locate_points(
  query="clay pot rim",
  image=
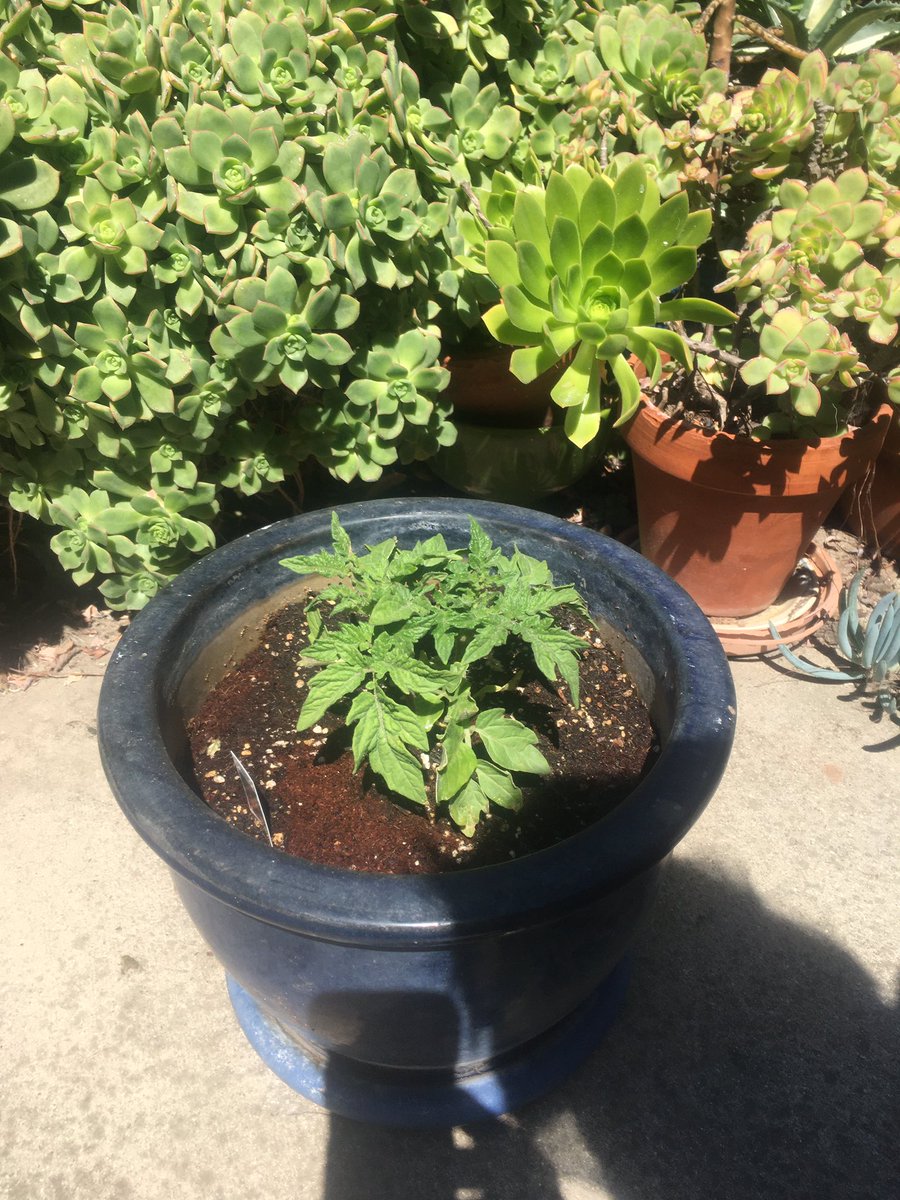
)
(738, 463)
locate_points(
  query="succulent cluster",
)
(819, 280)
(238, 236)
(228, 239)
(582, 270)
(870, 648)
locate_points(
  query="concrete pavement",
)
(756, 1058)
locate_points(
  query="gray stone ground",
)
(756, 1058)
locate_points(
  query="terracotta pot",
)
(511, 444)
(871, 506)
(729, 517)
(484, 392)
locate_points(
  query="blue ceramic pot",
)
(426, 999)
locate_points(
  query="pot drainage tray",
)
(808, 599)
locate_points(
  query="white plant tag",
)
(252, 796)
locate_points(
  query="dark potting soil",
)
(321, 811)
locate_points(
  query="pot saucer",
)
(431, 1099)
(808, 599)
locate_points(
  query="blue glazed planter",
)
(427, 999)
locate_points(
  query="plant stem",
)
(770, 38)
(723, 36)
(713, 351)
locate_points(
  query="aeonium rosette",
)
(582, 273)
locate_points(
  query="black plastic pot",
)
(416, 999)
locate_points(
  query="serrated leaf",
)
(481, 548)
(325, 689)
(322, 563)
(392, 608)
(314, 623)
(416, 680)
(554, 651)
(486, 639)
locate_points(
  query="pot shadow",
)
(754, 1060)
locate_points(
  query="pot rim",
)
(739, 464)
(337, 904)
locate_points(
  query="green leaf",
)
(673, 268)
(665, 226)
(629, 389)
(205, 150)
(532, 271)
(522, 312)
(468, 807)
(598, 208)
(28, 184)
(503, 330)
(693, 308)
(575, 383)
(10, 237)
(555, 651)
(669, 341)
(630, 238)
(400, 770)
(501, 262)
(486, 639)
(338, 212)
(325, 689)
(322, 563)
(630, 189)
(529, 222)
(459, 762)
(510, 743)
(561, 200)
(393, 607)
(529, 362)
(565, 246)
(415, 679)
(498, 786)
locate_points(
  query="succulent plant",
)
(233, 236)
(582, 273)
(230, 165)
(116, 372)
(109, 239)
(86, 544)
(399, 382)
(547, 79)
(485, 128)
(871, 649)
(805, 249)
(776, 119)
(269, 63)
(373, 209)
(276, 328)
(801, 358)
(657, 58)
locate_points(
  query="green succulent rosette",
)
(584, 272)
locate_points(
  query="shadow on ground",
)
(754, 1061)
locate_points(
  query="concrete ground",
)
(756, 1058)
